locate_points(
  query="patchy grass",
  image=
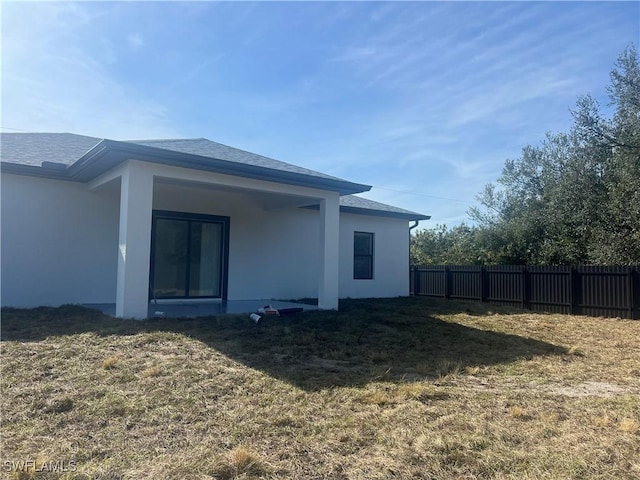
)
(399, 388)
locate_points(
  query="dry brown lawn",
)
(384, 389)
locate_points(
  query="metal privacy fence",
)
(612, 291)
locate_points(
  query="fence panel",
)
(611, 291)
(550, 289)
(604, 291)
(504, 285)
(465, 282)
(429, 280)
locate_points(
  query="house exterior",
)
(90, 220)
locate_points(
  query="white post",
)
(329, 253)
(136, 203)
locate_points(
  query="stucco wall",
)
(272, 254)
(59, 243)
(390, 259)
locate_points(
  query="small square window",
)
(362, 256)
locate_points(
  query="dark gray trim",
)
(375, 213)
(33, 171)
(54, 165)
(384, 213)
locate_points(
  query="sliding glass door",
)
(189, 255)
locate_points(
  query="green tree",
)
(442, 245)
(619, 235)
(576, 197)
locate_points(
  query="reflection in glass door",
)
(188, 258)
(205, 259)
(169, 259)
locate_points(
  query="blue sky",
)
(423, 100)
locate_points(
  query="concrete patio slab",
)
(199, 308)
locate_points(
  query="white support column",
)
(329, 253)
(136, 203)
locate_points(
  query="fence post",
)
(483, 293)
(416, 280)
(411, 281)
(446, 282)
(572, 290)
(523, 287)
(630, 290)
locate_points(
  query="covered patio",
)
(273, 248)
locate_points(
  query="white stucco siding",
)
(391, 256)
(60, 240)
(58, 243)
(272, 253)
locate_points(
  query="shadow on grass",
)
(367, 340)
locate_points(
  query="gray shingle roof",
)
(80, 158)
(355, 204)
(207, 148)
(35, 148)
(32, 150)
(65, 148)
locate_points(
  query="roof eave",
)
(93, 164)
(34, 171)
(376, 213)
(384, 213)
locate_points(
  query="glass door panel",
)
(188, 258)
(205, 270)
(170, 258)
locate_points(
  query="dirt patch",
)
(591, 389)
(583, 389)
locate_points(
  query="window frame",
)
(369, 256)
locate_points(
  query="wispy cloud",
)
(472, 84)
(135, 41)
(354, 54)
(62, 86)
(423, 99)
